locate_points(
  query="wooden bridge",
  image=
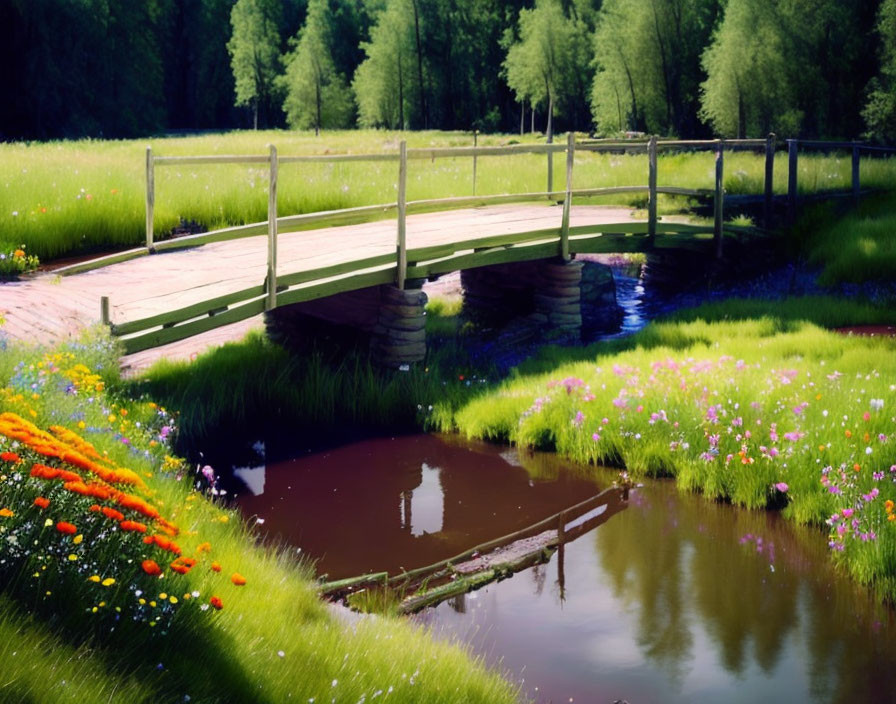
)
(198, 283)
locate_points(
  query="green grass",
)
(61, 198)
(856, 247)
(653, 404)
(273, 641)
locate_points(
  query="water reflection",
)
(389, 504)
(680, 599)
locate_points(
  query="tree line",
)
(819, 68)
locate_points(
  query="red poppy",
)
(41, 502)
(10, 457)
(151, 567)
(66, 528)
(216, 602)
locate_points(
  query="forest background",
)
(692, 68)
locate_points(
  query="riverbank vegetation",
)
(123, 576)
(68, 198)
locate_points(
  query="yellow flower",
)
(19, 254)
(94, 578)
(108, 581)
(72, 557)
(78, 539)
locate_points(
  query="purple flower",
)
(782, 487)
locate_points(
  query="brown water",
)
(675, 599)
(406, 502)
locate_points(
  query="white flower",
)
(15, 213)
(877, 404)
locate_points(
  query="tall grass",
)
(61, 198)
(272, 641)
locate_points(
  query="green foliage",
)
(316, 95)
(14, 260)
(880, 110)
(779, 67)
(545, 65)
(647, 60)
(386, 85)
(254, 52)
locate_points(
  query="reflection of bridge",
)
(239, 273)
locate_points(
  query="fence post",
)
(150, 199)
(651, 190)
(550, 166)
(769, 179)
(720, 197)
(272, 231)
(402, 250)
(567, 202)
(856, 185)
(791, 178)
(105, 315)
(475, 144)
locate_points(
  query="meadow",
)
(66, 198)
(124, 577)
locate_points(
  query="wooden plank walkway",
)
(49, 308)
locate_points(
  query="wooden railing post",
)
(567, 202)
(272, 231)
(792, 145)
(402, 247)
(150, 199)
(651, 190)
(720, 197)
(475, 144)
(105, 315)
(550, 164)
(856, 185)
(769, 179)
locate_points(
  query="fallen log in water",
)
(490, 561)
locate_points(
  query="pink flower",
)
(782, 487)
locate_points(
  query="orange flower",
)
(111, 513)
(238, 579)
(215, 567)
(66, 528)
(151, 567)
(163, 543)
(203, 547)
(216, 602)
(20, 253)
(182, 565)
(6, 513)
(857, 467)
(41, 502)
(10, 457)
(132, 526)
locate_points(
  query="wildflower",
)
(216, 567)
(108, 581)
(151, 567)
(134, 526)
(782, 487)
(66, 528)
(238, 579)
(204, 547)
(10, 457)
(182, 565)
(216, 602)
(6, 513)
(41, 502)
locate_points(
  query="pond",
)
(673, 599)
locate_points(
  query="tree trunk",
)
(255, 114)
(532, 119)
(400, 94)
(550, 129)
(423, 115)
(317, 101)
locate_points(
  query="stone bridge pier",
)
(552, 298)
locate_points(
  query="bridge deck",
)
(49, 308)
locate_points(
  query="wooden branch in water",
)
(338, 587)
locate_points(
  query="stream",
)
(674, 599)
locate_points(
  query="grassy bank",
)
(743, 401)
(121, 577)
(61, 198)
(858, 247)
